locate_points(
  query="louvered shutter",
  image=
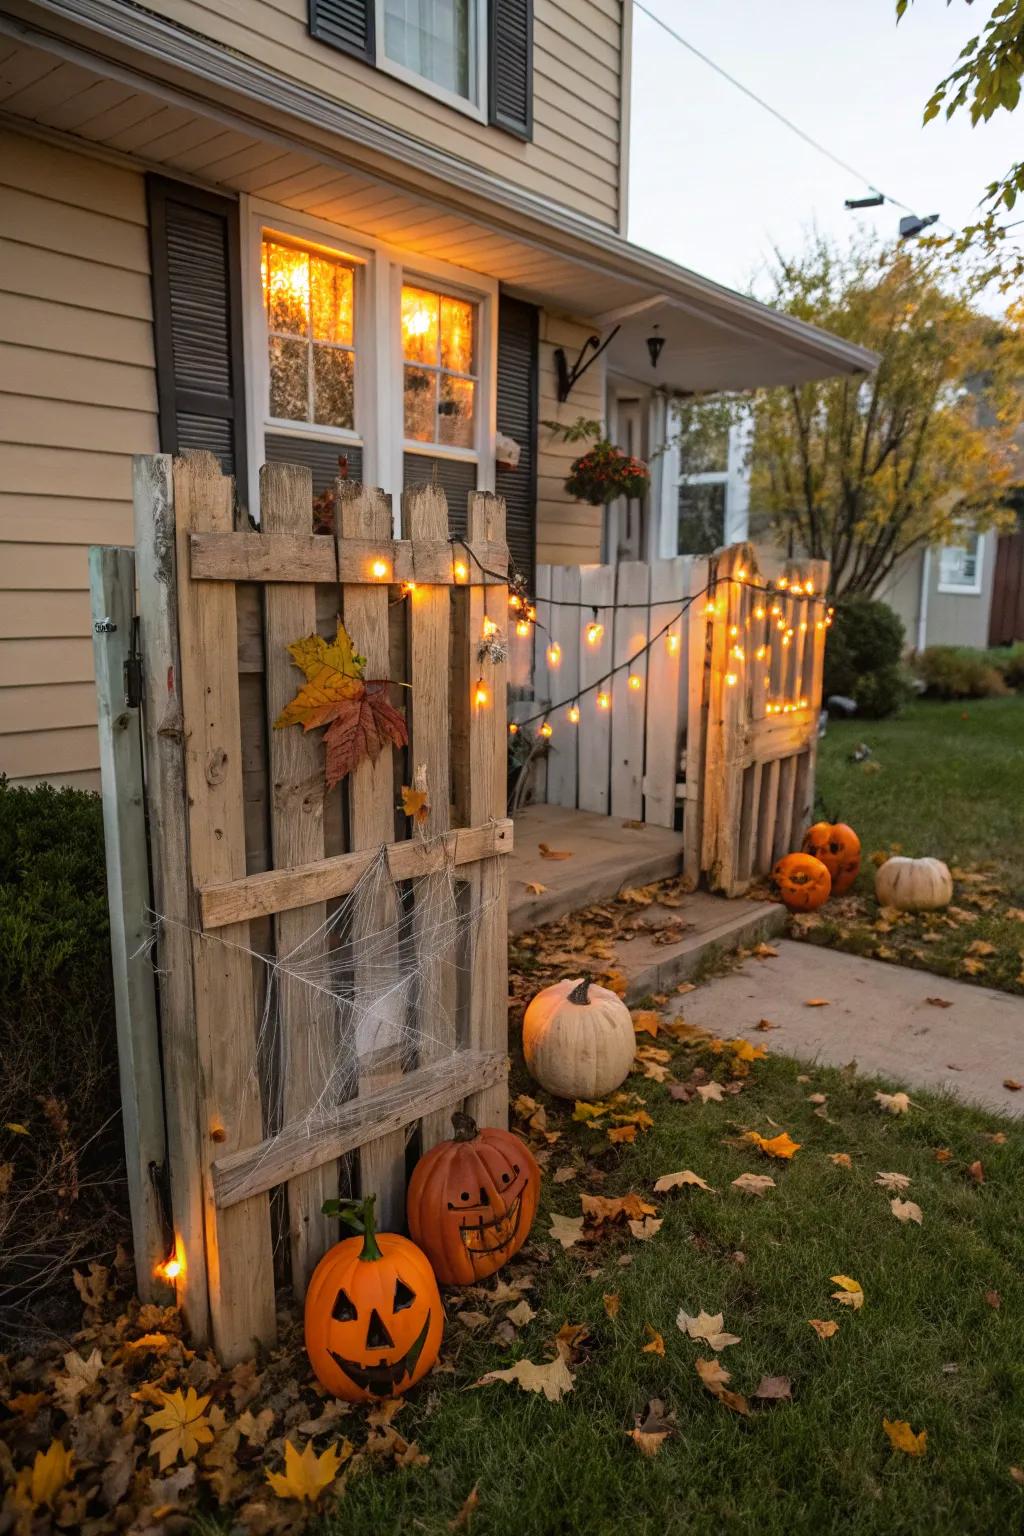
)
(517, 418)
(197, 323)
(345, 24)
(510, 66)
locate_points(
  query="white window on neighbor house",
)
(436, 45)
(960, 566)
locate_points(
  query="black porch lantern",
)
(654, 346)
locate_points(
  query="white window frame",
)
(475, 107)
(950, 586)
(735, 477)
(416, 278)
(381, 270)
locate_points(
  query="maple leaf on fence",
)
(362, 727)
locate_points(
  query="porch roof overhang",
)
(344, 166)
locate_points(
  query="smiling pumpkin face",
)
(472, 1201)
(374, 1318)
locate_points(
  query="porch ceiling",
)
(108, 97)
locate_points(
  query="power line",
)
(781, 117)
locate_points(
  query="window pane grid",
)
(439, 373)
(309, 306)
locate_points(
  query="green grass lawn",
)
(926, 1347)
(945, 780)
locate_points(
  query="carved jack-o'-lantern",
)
(472, 1201)
(803, 881)
(374, 1318)
(838, 848)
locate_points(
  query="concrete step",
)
(718, 927)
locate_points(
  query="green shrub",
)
(1009, 663)
(63, 1193)
(949, 672)
(862, 657)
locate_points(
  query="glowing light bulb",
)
(709, 609)
(594, 633)
(574, 714)
(803, 625)
(759, 612)
(738, 652)
(734, 630)
(820, 624)
(759, 653)
(672, 641)
(380, 569)
(408, 588)
(514, 601)
(554, 654)
(545, 729)
(461, 570)
(170, 1269)
(789, 632)
(531, 612)
(741, 574)
(809, 587)
(481, 694)
(785, 639)
(803, 703)
(490, 628)
(776, 610)
(513, 729)
(782, 583)
(731, 679)
(635, 682)
(603, 701)
(522, 629)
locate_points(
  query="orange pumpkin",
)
(374, 1318)
(472, 1201)
(803, 881)
(838, 848)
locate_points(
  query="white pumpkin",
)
(914, 885)
(578, 1040)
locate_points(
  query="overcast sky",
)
(715, 182)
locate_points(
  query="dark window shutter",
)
(517, 418)
(510, 66)
(345, 24)
(320, 457)
(456, 477)
(197, 323)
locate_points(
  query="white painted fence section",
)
(623, 759)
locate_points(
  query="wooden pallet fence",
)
(249, 854)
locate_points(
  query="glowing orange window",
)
(439, 368)
(309, 300)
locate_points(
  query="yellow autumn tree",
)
(860, 471)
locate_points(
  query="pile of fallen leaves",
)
(979, 937)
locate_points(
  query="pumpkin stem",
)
(359, 1215)
(581, 992)
(464, 1126)
(371, 1250)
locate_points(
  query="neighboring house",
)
(312, 229)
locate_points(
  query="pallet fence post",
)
(163, 729)
(112, 587)
(296, 837)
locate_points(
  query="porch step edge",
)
(599, 885)
(761, 920)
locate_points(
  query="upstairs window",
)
(960, 566)
(309, 300)
(435, 40)
(439, 377)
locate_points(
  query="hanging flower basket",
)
(604, 473)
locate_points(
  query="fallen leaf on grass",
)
(653, 1428)
(817, 1002)
(850, 1294)
(1017, 1473)
(976, 1172)
(621, 1133)
(997, 1138)
(824, 1328)
(906, 1210)
(895, 1181)
(677, 1180)
(306, 1475)
(566, 1230)
(943, 1154)
(185, 1427)
(473, 1320)
(521, 1314)
(646, 1021)
(612, 1303)
(707, 1328)
(753, 1183)
(817, 1098)
(982, 948)
(552, 1377)
(600, 1208)
(644, 1230)
(563, 1175)
(714, 1376)
(773, 1389)
(841, 1159)
(655, 1343)
(902, 1437)
(994, 1300)
(710, 1093)
(468, 1510)
(554, 853)
(782, 1146)
(744, 1051)
(893, 1103)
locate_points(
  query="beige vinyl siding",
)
(77, 399)
(574, 158)
(568, 531)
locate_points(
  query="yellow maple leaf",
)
(850, 1295)
(16, 1128)
(306, 1475)
(333, 673)
(781, 1146)
(184, 1424)
(744, 1051)
(655, 1343)
(414, 804)
(553, 1377)
(620, 1133)
(824, 1329)
(903, 1438)
(49, 1473)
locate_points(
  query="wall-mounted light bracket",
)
(568, 377)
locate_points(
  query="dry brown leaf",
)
(841, 1159)
(714, 1378)
(773, 1389)
(620, 1133)
(184, 1424)
(710, 1093)
(521, 1314)
(646, 1021)
(850, 1293)
(554, 853)
(79, 1376)
(707, 1328)
(943, 1154)
(566, 1230)
(612, 1302)
(644, 1230)
(552, 1377)
(1012, 1084)
(895, 1181)
(678, 1180)
(653, 1428)
(906, 1210)
(414, 804)
(563, 1175)
(535, 888)
(753, 1183)
(976, 1172)
(782, 1146)
(816, 1002)
(825, 1329)
(893, 1103)
(764, 952)
(655, 1343)
(306, 1475)
(600, 1208)
(469, 1507)
(765, 1024)
(939, 1002)
(994, 1300)
(902, 1437)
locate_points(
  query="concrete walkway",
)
(878, 1015)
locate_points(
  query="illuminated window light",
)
(594, 633)
(380, 569)
(490, 628)
(481, 695)
(554, 654)
(461, 570)
(574, 714)
(546, 729)
(604, 701)
(828, 623)
(635, 682)
(731, 679)
(522, 629)
(513, 729)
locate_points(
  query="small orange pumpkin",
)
(374, 1318)
(472, 1201)
(838, 848)
(803, 881)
